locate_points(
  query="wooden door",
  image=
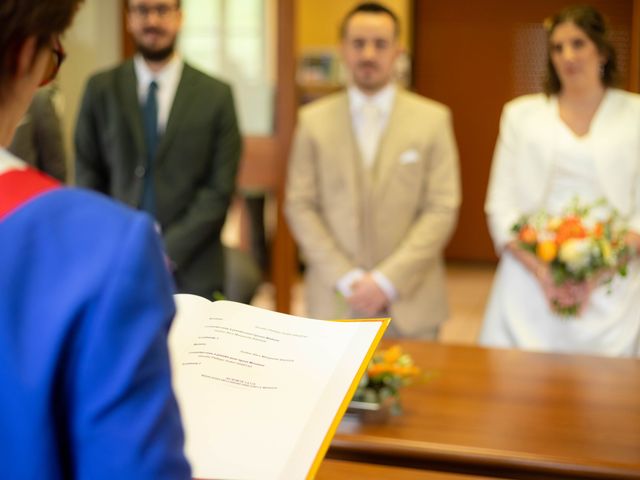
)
(476, 55)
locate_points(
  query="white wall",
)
(93, 43)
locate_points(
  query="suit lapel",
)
(349, 161)
(179, 109)
(130, 104)
(345, 156)
(386, 157)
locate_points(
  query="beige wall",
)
(318, 21)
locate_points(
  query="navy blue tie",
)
(150, 121)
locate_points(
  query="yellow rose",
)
(547, 251)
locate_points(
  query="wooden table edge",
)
(412, 453)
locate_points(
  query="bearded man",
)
(160, 136)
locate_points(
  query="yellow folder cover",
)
(261, 393)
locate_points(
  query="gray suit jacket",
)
(194, 170)
(38, 140)
(395, 218)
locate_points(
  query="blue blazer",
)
(85, 308)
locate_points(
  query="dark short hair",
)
(591, 22)
(21, 19)
(369, 7)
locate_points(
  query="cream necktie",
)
(370, 134)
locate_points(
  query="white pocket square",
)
(410, 156)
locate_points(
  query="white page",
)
(258, 390)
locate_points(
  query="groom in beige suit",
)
(373, 189)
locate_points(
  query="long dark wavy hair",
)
(591, 22)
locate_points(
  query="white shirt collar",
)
(167, 75)
(8, 161)
(383, 99)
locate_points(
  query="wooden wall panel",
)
(284, 260)
(475, 56)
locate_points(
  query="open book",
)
(261, 393)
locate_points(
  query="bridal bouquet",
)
(388, 371)
(585, 242)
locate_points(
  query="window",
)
(235, 40)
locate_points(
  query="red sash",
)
(17, 187)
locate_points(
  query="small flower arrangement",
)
(388, 371)
(585, 242)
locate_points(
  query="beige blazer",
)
(396, 217)
(524, 157)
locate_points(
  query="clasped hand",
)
(366, 296)
(568, 294)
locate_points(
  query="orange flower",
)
(571, 227)
(527, 234)
(392, 354)
(378, 369)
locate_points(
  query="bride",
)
(581, 138)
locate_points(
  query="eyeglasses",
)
(161, 11)
(57, 57)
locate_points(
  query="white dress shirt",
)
(369, 117)
(368, 142)
(167, 80)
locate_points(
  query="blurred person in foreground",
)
(85, 302)
(578, 139)
(373, 189)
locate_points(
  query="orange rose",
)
(527, 235)
(571, 227)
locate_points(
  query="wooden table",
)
(509, 414)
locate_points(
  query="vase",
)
(374, 412)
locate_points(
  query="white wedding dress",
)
(517, 312)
